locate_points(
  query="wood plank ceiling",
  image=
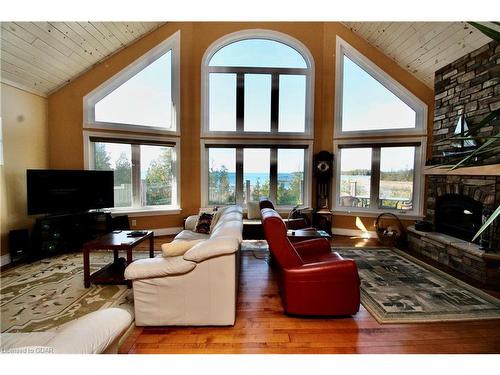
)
(422, 48)
(41, 57)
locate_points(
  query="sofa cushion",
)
(253, 210)
(229, 229)
(231, 216)
(158, 267)
(23, 342)
(212, 248)
(178, 247)
(190, 222)
(95, 332)
(227, 209)
(189, 235)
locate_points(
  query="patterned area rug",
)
(397, 288)
(47, 293)
(42, 295)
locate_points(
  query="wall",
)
(66, 114)
(468, 86)
(25, 145)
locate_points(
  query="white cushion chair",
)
(97, 332)
(196, 288)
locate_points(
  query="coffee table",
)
(116, 241)
(297, 235)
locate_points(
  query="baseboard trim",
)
(166, 231)
(353, 233)
(4, 260)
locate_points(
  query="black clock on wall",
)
(323, 164)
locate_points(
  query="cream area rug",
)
(44, 294)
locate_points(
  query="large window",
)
(377, 177)
(142, 97)
(257, 91)
(145, 170)
(243, 173)
(376, 174)
(257, 85)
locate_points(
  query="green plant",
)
(489, 148)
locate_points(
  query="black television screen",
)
(58, 191)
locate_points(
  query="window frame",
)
(172, 43)
(136, 210)
(420, 108)
(418, 179)
(308, 72)
(306, 145)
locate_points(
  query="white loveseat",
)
(100, 331)
(197, 288)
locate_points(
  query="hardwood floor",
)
(261, 327)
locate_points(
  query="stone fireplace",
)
(457, 205)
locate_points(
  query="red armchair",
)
(312, 280)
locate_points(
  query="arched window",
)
(258, 82)
(257, 85)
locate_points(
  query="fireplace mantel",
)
(483, 170)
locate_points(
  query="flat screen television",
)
(52, 191)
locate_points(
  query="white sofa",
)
(198, 288)
(100, 331)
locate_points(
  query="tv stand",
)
(58, 234)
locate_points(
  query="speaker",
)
(19, 244)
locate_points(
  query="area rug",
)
(397, 288)
(44, 294)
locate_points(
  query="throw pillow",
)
(204, 223)
(178, 247)
(253, 210)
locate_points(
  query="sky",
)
(257, 53)
(145, 99)
(367, 104)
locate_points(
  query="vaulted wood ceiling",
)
(43, 56)
(421, 47)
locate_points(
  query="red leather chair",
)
(312, 279)
(296, 224)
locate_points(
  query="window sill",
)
(145, 211)
(399, 214)
(130, 128)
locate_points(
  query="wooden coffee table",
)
(116, 241)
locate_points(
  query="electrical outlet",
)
(133, 222)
